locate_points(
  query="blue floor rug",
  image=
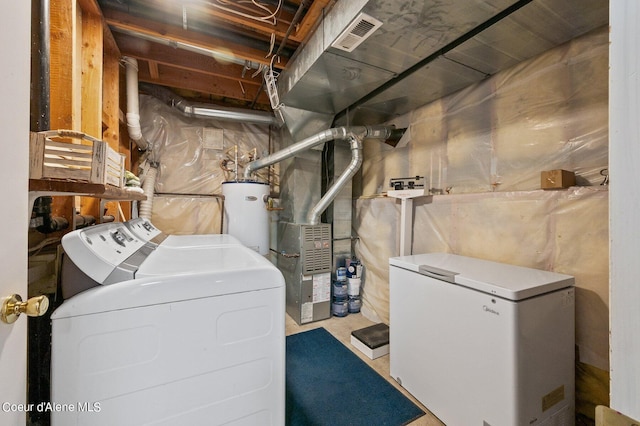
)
(327, 384)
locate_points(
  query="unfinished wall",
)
(485, 147)
(195, 156)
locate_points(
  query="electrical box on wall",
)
(213, 138)
(557, 179)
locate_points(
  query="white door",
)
(15, 25)
(624, 200)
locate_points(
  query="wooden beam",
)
(198, 82)
(317, 9)
(91, 53)
(223, 15)
(76, 77)
(110, 114)
(106, 192)
(264, 28)
(90, 7)
(91, 86)
(63, 16)
(189, 61)
(111, 98)
(153, 70)
(170, 33)
(63, 81)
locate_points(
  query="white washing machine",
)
(166, 330)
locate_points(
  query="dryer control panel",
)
(145, 230)
(103, 249)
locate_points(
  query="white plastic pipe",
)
(148, 187)
(133, 105)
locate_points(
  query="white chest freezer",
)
(483, 343)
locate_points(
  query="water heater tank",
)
(245, 213)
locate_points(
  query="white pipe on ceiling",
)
(133, 105)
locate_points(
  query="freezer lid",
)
(499, 279)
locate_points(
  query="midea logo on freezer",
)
(489, 310)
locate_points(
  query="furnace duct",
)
(355, 136)
(330, 195)
(208, 111)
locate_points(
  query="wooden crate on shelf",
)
(91, 160)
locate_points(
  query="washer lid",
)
(199, 259)
(146, 231)
(201, 240)
(499, 279)
(233, 278)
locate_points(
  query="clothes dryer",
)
(190, 332)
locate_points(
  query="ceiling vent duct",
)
(424, 50)
(358, 31)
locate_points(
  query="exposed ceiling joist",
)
(210, 49)
(144, 50)
(172, 34)
(265, 28)
(204, 83)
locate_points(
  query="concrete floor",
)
(341, 329)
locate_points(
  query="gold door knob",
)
(13, 306)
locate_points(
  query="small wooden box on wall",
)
(557, 179)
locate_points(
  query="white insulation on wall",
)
(485, 147)
(195, 156)
(563, 231)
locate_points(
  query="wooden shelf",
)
(64, 187)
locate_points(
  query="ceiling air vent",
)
(358, 31)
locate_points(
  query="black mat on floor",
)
(327, 384)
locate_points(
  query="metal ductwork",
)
(296, 148)
(339, 133)
(208, 111)
(355, 145)
(421, 51)
(355, 136)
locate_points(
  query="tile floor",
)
(341, 329)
